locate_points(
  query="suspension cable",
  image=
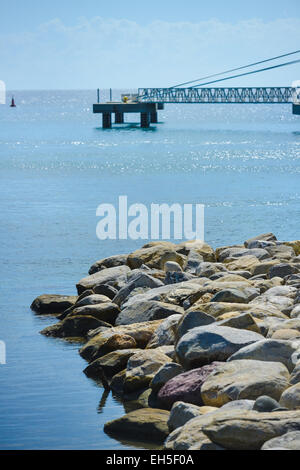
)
(235, 69)
(248, 73)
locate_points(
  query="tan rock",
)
(246, 263)
(244, 379)
(121, 337)
(142, 367)
(199, 246)
(144, 424)
(295, 245)
(216, 309)
(286, 334)
(249, 430)
(155, 257)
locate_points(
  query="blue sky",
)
(126, 44)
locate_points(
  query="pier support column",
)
(153, 117)
(106, 120)
(145, 120)
(119, 118)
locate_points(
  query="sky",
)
(75, 44)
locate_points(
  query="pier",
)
(149, 100)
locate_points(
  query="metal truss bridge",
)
(218, 95)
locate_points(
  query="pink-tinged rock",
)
(186, 387)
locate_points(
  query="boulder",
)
(175, 277)
(295, 245)
(172, 294)
(295, 313)
(288, 441)
(185, 387)
(268, 237)
(217, 309)
(282, 270)
(244, 321)
(281, 252)
(206, 344)
(249, 430)
(244, 379)
(189, 436)
(242, 296)
(114, 276)
(52, 304)
(110, 262)
(142, 367)
(110, 364)
(206, 269)
(121, 337)
(193, 262)
(247, 262)
(172, 266)
(154, 257)
(73, 327)
(268, 350)
(139, 279)
(198, 246)
(290, 324)
(144, 311)
(265, 404)
(94, 299)
(164, 335)
(295, 377)
(106, 312)
(263, 267)
(287, 334)
(164, 374)
(192, 319)
(182, 412)
(107, 290)
(229, 254)
(144, 424)
(117, 383)
(238, 405)
(291, 397)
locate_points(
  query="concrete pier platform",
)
(148, 112)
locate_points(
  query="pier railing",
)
(218, 95)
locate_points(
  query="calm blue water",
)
(56, 166)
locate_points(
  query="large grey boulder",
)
(192, 319)
(115, 276)
(139, 279)
(268, 237)
(164, 335)
(147, 311)
(228, 253)
(268, 350)
(110, 262)
(205, 344)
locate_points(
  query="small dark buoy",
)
(13, 104)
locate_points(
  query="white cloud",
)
(121, 53)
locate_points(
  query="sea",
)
(57, 165)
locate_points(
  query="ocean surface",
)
(56, 166)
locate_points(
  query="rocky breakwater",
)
(201, 345)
